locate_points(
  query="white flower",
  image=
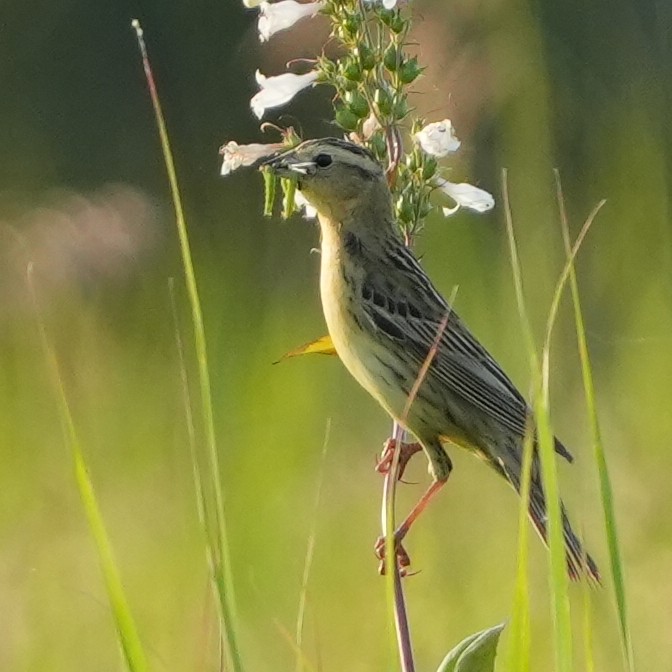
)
(465, 196)
(438, 139)
(252, 3)
(276, 91)
(301, 202)
(388, 4)
(236, 155)
(284, 14)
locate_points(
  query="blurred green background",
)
(584, 87)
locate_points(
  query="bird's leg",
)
(402, 557)
(406, 452)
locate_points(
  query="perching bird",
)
(384, 315)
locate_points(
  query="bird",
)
(392, 328)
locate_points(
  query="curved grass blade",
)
(216, 530)
(519, 652)
(127, 633)
(310, 552)
(558, 572)
(606, 490)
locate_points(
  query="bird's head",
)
(339, 179)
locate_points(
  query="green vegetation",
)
(589, 97)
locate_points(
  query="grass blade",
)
(519, 652)
(199, 488)
(558, 575)
(310, 552)
(558, 564)
(216, 530)
(606, 491)
(127, 632)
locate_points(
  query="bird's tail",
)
(578, 561)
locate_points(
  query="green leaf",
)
(476, 653)
(289, 190)
(270, 181)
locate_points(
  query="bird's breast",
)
(353, 335)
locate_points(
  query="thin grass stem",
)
(127, 632)
(222, 577)
(519, 652)
(310, 552)
(606, 490)
(546, 448)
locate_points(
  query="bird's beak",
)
(288, 165)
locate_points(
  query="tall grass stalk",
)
(199, 489)
(215, 530)
(519, 652)
(310, 552)
(606, 491)
(127, 633)
(558, 567)
(553, 313)
(588, 639)
(541, 376)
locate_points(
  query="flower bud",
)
(392, 19)
(397, 23)
(345, 84)
(351, 70)
(391, 58)
(429, 168)
(425, 209)
(409, 71)
(401, 108)
(405, 210)
(351, 24)
(357, 104)
(346, 119)
(367, 58)
(383, 102)
(386, 16)
(378, 145)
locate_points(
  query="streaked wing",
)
(406, 307)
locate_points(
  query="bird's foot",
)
(402, 557)
(406, 452)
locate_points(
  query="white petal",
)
(370, 126)
(276, 91)
(236, 155)
(447, 212)
(466, 196)
(309, 212)
(282, 15)
(438, 139)
(389, 4)
(252, 3)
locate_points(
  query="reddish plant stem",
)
(400, 615)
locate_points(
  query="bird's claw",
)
(402, 557)
(406, 451)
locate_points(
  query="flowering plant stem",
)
(369, 71)
(394, 588)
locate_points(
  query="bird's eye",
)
(323, 160)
